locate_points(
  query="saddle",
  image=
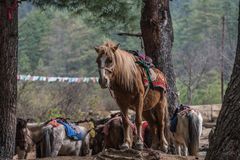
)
(152, 76)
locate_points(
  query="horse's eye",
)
(109, 60)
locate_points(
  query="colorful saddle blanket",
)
(152, 77)
(159, 81)
(72, 131)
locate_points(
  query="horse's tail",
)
(166, 118)
(46, 145)
(195, 130)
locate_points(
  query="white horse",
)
(62, 145)
(188, 131)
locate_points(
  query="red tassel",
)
(11, 9)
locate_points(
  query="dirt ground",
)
(162, 157)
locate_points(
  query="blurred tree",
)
(157, 34)
(224, 143)
(8, 76)
(32, 28)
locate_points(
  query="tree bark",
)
(8, 77)
(225, 142)
(157, 33)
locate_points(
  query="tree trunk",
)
(8, 77)
(157, 33)
(225, 142)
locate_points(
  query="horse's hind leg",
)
(153, 127)
(160, 113)
(56, 147)
(58, 136)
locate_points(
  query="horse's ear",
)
(97, 49)
(115, 47)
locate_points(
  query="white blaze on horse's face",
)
(105, 70)
(104, 79)
(106, 64)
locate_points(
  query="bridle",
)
(107, 69)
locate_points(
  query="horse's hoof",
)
(164, 149)
(124, 146)
(139, 146)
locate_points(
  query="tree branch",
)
(130, 34)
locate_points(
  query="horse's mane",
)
(126, 69)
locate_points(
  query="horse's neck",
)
(126, 69)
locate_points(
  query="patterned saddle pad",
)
(158, 79)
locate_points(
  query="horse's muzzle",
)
(103, 83)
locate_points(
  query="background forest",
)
(60, 43)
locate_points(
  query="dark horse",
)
(24, 142)
(124, 77)
(110, 134)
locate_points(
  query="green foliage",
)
(31, 30)
(123, 13)
(198, 37)
(54, 113)
(207, 93)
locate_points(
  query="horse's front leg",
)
(185, 150)
(127, 140)
(138, 122)
(179, 151)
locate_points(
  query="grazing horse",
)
(120, 73)
(187, 130)
(62, 145)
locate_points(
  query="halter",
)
(110, 69)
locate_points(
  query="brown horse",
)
(124, 77)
